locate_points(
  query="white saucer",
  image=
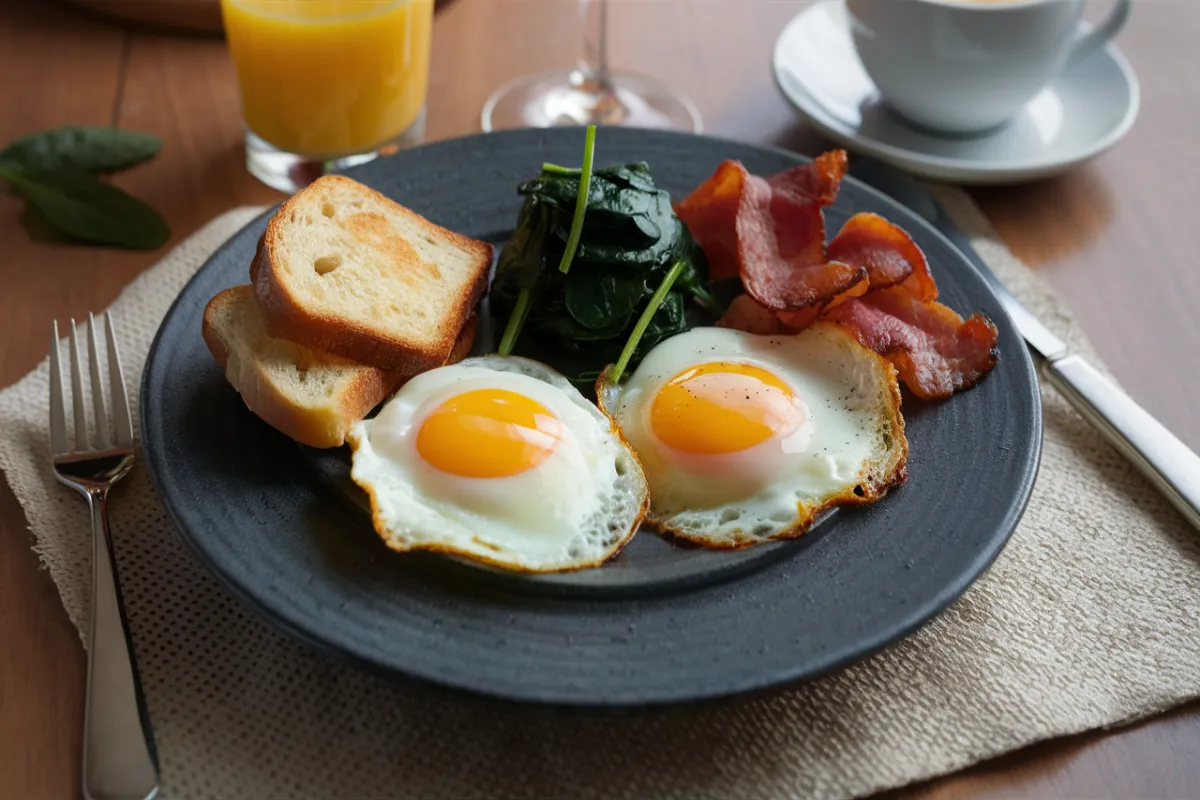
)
(1082, 113)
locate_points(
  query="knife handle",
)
(1155, 451)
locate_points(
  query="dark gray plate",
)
(280, 525)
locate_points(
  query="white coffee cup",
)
(967, 66)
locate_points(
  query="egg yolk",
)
(488, 433)
(723, 407)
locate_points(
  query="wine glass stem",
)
(592, 74)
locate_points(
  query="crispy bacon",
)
(935, 351)
(711, 212)
(784, 266)
(796, 199)
(872, 279)
(889, 255)
(771, 232)
(747, 314)
(921, 284)
(786, 279)
(817, 182)
(796, 321)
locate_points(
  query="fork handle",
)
(118, 747)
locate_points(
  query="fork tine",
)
(79, 413)
(58, 409)
(122, 422)
(97, 387)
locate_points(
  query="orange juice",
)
(330, 77)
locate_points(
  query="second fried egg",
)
(748, 438)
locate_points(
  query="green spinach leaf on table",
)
(86, 209)
(55, 171)
(80, 149)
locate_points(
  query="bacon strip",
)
(711, 212)
(818, 181)
(872, 279)
(935, 351)
(889, 255)
(771, 232)
(784, 265)
(748, 315)
(797, 197)
(780, 274)
(796, 321)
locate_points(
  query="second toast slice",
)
(344, 270)
(312, 397)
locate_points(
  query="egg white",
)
(576, 508)
(849, 449)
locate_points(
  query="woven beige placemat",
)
(1088, 619)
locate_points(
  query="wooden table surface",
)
(1116, 238)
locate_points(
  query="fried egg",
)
(747, 438)
(499, 460)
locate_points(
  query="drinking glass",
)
(589, 94)
(327, 84)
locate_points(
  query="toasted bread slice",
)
(312, 397)
(344, 270)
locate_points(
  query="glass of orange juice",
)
(327, 84)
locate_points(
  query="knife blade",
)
(1159, 455)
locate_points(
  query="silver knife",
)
(1150, 447)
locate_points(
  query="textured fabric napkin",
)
(1087, 619)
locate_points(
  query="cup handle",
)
(1101, 34)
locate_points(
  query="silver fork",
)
(118, 744)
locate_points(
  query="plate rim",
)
(929, 610)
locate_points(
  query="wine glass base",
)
(552, 99)
(291, 172)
